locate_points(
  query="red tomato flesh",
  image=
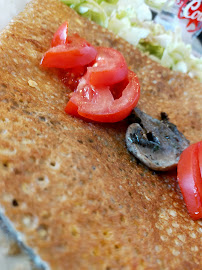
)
(200, 156)
(60, 36)
(77, 52)
(109, 67)
(190, 181)
(71, 77)
(98, 103)
(198, 180)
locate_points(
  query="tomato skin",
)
(72, 109)
(60, 36)
(98, 104)
(190, 181)
(109, 67)
(77, 52)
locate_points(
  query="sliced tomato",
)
(190, 180)
(98, 103)
(60, 36)
(109, 67)
(77, 52)
(198, 180)
(200, 156)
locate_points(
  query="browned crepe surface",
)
(71, 187)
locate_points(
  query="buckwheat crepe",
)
(77, 198)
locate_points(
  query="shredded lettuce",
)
(92, 10)
(158, 4)
(152, 48)
(71, 3)
(132, 20)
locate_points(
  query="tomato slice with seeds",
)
(98, 103)
(60, 36)
(77, 52)
(109, 67)
(71, 77)
(190, 180)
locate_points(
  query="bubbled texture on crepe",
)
(82, 201)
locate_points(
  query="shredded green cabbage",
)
(92, 10)
(152, 48)
(132, 20)
(158, 4)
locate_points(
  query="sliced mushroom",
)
(156, 143)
